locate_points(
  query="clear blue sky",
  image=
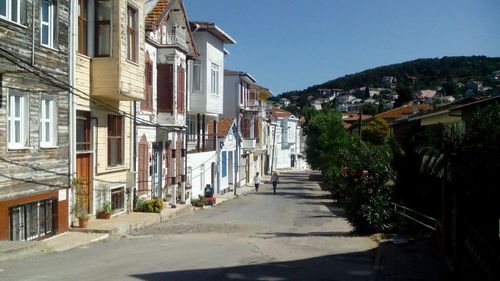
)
(292, 44)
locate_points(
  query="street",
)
(296, 234)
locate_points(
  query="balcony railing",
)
(248, 144)
(194, 147)
(177, 37)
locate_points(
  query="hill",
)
(417, 74)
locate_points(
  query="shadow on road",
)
(350, 266)
(309, 234)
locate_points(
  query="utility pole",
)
(360, 120)
(274, 145)
(237, 138)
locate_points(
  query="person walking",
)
(256, 181)
(275, 180)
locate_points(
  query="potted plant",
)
(82, 215)
(105, 211)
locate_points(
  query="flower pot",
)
(83, 222)
(105, 216)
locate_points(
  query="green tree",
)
(376, 132)
(370, 109)
(404, 96)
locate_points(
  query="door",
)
(157, 168)
(83, 182)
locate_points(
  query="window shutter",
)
(180, 88)
(143, 164)
(147, 103)
(165, 88)
(256, 130)
(244, 128)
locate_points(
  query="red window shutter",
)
(147, 103)
(178, 158)
(165, 88)
(168, 157)
(143, 164)
(244, 128)
(180, 88)
(256, 130)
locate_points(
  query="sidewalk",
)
(99, 229)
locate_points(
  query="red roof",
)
(223, 127)
(402, 111)
(155, 14)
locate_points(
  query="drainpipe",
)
(72, 109)
(134, 159)
(33, 31)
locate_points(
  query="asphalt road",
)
(296, 234)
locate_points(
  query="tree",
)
(370, 108)
(376, 132)
(404, 96)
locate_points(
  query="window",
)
(83, 131)
(197, 75)
(13, 10)
(82, 27)
(115, 140)
(224, 164)
(131, 34)
(47, 23)
(33, 220)
(18, 120)
(103, 28)
(48, 122)
(214, 79)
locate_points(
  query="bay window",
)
(103, 28)
(82, 27)
(131, 34)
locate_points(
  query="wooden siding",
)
(82, 83)
(34, 172)
(101, 138)
(116, 77)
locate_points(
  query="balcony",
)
(248, 144)
(177, 37)
(251, 105)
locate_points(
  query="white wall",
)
(211, 50)
(231, 92)
(200, 175)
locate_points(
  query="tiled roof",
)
(223, 127)
(402, 111)
(277, 112)
(155, 14)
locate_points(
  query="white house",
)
(227, 138)
(161, 116)
(283, 139)
(205, 105)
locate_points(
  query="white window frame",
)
(214, 79)
(48, 116)
(22, 119)
(49, 23)
(196, 82)
(8, 11)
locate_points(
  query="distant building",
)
(425, 95)
(284, 102)
(389, 82)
